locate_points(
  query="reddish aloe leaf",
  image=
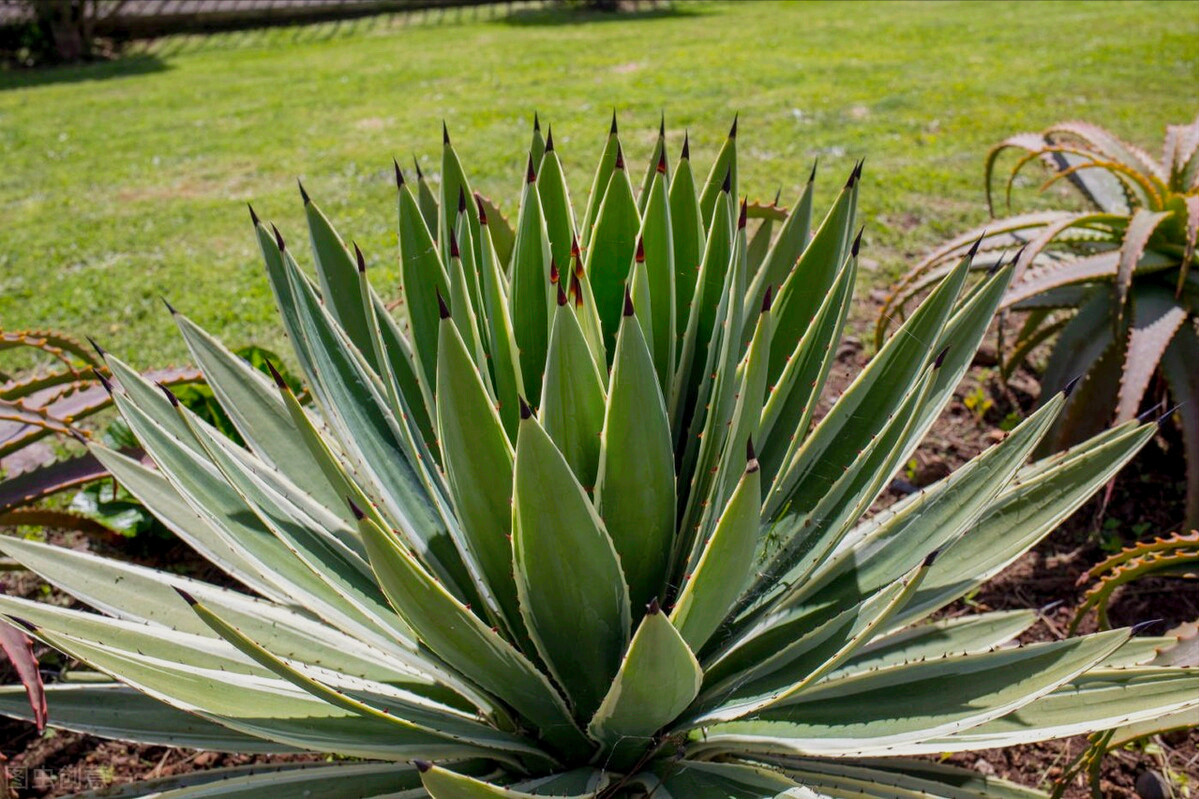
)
(36, 484)
(61, 519)
(19, 649)
(1156, 317)
(1140, 228)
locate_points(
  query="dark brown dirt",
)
(1146, 499)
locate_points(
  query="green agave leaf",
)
(599, 183)
(609, 254)
(894, 778)
(722, 177)
(435, 722)
(478, 465)
(701, 780)
(530, 297)
(704, 307)
(422, 276)
(965, 635)
(462, 310)
(658, 678)
(424, 196)
(460, 638)
(724, 565)
(445, 784)
(112, 710)
(310, 780)
(874, 394)
(573, 594)
(945, 511)
(555, 202)
(1034, 504)
(794, 650)
(572, 398)
(411, 398)
(257, 411)
(255, 705)
(786, 249)
(793, 397)
(505, 358)
(454, 187)
(382, 450)
(687, 233)
(160, 497)
(502, 235)
(656, 165)
(338, 275)
(895, 711)
(810, 279)
(146, 596)
(634, 490)
(656, 245)
(638, 287)
(1099, 699)
(577, 781)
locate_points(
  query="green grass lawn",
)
(123, 182)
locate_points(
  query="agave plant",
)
(1111, 286)
(569, 526)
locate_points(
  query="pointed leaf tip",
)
(454, 251)
(1161, 420)
(574, 246)
(1150, 415)
(640, 254)
(576, 289)
(619, 157)
(1069, 389)
(399, 174)
(974, 247)
(104, 381)
(279, 239)
(422, 765)
(768, 299)
(733, 129)
(443, 310)
(253, 216)
(482, 209)
(99, 350)
(445, 134)
(170, 394)
(743, 217)
(778, 195)
(536, 122)
(303, 194)
(561, 296)
(686, 154)
(170, 307)
(28, 625)
(662, 162)
(188, 598)
(857, 242)
(857, 170)
(662, 126)
(525, 411)
(931, 558)
(279, 381)
(530, 175)
(812, 175)
(653, 608)
(628, 302)
(555, 275)
(1141, 626)
(727, 186)
(360, 259)
(416, 165)
(612, 130)
(355, 510)
(750, 456)
(940, 358)
(461, 199)
(549, 140)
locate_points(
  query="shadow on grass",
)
(124, 67)
(560, 15)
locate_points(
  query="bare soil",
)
(1147, 492)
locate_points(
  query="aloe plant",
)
(568, 526)
(1111, 287)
